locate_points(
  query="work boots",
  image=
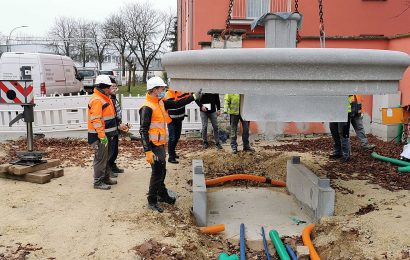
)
(248, 149)
(115, 169)
(102, 186)
(110, 181)
(368, 147)
(167, 199)
(155, 207)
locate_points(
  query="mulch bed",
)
(361, 167)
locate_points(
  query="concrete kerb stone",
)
(200, 207)
(314, 194)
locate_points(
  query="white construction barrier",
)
(69, 113)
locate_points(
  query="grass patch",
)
(139, 89)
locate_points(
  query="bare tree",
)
(63, 30)
(115, 28)
(149, 30)
(82, 42)
(99, 42)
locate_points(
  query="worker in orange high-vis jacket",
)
(153, 130)
(102, 126)
(175, 127)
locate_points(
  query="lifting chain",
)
(227, 32)
(321, 25)
(298, 37)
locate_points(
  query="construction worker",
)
(356, 119)
(232, 107)
(210, 106)
(102, 126)
(340, 135)
(115, 139)
(153, 121)
(175, 127)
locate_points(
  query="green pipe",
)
(397, 140)
(404, 169)
(390, 160)
(280, 248)
(225, 256)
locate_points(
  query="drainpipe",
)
(191, 25)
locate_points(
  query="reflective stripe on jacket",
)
(159, 120)
(101, 117)
(176, 113)
(232, 104)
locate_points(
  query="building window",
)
(256, 8)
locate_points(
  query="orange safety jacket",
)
(176, 113)
(159, 120)
(101, 117)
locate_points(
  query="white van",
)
(51, 74)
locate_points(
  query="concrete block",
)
(384, 132)
(302, 252)
(199, 193)
(280, 33)
(312, 192)
(294, 108)
(384, 101)
(287, 71)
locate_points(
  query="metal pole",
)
(30, 136)
(8, 38)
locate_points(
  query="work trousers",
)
(114, 150)
(157, 181)
(102, 169)
(234, 120)
(214, 121)
(357, 123)
(174, 132)
(340, 135)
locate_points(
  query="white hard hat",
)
(104, 81)
(155, 82)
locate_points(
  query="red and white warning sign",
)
(16, 92)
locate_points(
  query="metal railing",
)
(69, 113)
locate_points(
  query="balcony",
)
(245, 11)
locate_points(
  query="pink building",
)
(367, 24)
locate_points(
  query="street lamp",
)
(8, 38)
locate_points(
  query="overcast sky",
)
(39, 14)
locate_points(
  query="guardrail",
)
(69, 113)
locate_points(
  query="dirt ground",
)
(68, 219)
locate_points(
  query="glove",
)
(198, 95)
(104, 140)
(226, 116)
(149, 156)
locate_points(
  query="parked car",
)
(51, 74)
(89, 75)
(110, 72)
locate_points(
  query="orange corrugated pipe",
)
(308, 242)
(212, 229)
(248, 177)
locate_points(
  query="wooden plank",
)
(4, 168)
(39, 178)
(21, 169)
(58, 172)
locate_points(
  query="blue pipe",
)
(290, 252)
(242, 242)
(265, 244)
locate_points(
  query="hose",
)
(307, 242)
(265, 244)
(212, 229)
(290, 252)
(404, 169)
(390, 160)
(280, 248)
(242, 242)
(225, 256)
(248, 177)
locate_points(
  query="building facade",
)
(365, 24)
